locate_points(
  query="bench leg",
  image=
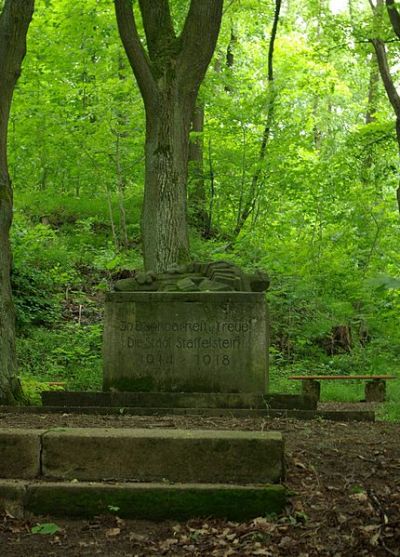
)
(311, 388)
(375, 391)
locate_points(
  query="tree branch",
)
(135, 52)
(199, 37)
(387, 79)
(394, 16)
(272, 92)
(252, 200)
(272, 40)
(158, 25)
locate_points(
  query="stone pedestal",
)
(186, 342)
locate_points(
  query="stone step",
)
(333, 415)
(163, 455)
(141, 501)
(143, 455)
(179, 400)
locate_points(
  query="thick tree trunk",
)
(9, 385)
(169, 73)
(14, 22)
(164, 207)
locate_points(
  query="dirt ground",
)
(345, 480)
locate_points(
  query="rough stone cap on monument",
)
(213, 276)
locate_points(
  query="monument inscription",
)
(185, 342)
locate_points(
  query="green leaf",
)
(46, 529)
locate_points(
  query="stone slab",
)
(20, 453)
(155, 501)
(333, 415)
(188, 456)
(178, 400)
(186, 342)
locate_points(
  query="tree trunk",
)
(198, 197)
(14, 22)
(9, 386)
(164, 207)
(169, 73)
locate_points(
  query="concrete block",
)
(183, 456)
(155, 501)
(20, 453)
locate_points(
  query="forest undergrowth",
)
(294, 168)
(65, 259)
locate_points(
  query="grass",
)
(344, 391)
(348, 391)
(73, 355)
(390, 411)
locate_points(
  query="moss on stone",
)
(157, 502)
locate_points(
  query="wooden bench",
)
(375, 386)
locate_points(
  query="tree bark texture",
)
(394, 16)
(14, 22)
(169, 73)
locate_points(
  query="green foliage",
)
(113, 508)
(32, 388)
(71, 353)
(324, 219)
(40, 271)
(391, 409)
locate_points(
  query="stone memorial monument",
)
(200, 327)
